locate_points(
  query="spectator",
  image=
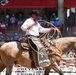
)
(20, 39)
(53, 18)
(19, 23)
(11, 38)
(58, 24)
(39, 18)
(70, 22)
(7, 38)
(13, 20)
(23, 39)
(15, 37)
(70, 54)
(7, 20)
(2, 38)
(46, 19)
(3, 27)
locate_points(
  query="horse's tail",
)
(1, 43)
(2, 65)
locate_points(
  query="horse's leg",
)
(9, 70)
(47, 70)
(56, 68)
(55, 60)
(8, 62)
(2, 66)
(53, 66)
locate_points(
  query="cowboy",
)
(32, 28)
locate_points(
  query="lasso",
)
(47, 35)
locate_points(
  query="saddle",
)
(25, 45)
(37, 58)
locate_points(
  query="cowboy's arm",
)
(31, 25)
(24, 25)
(27, 25)
(46, 30)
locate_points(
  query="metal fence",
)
(71, 70)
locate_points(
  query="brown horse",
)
(60, 46)
(11, 52)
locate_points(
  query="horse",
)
(11, 52)
(60, 47)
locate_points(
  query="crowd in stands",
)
(16, 21)
(69, 59)
(53, 19)
(56, 21)
(70, 54)
(13, 21)
(12, 37)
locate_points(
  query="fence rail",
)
(71, 70)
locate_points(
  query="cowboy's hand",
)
(58, 31)
(52, 29)
(55, 29)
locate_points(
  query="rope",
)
(43, 21)
(46, 35)
(35, 50)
